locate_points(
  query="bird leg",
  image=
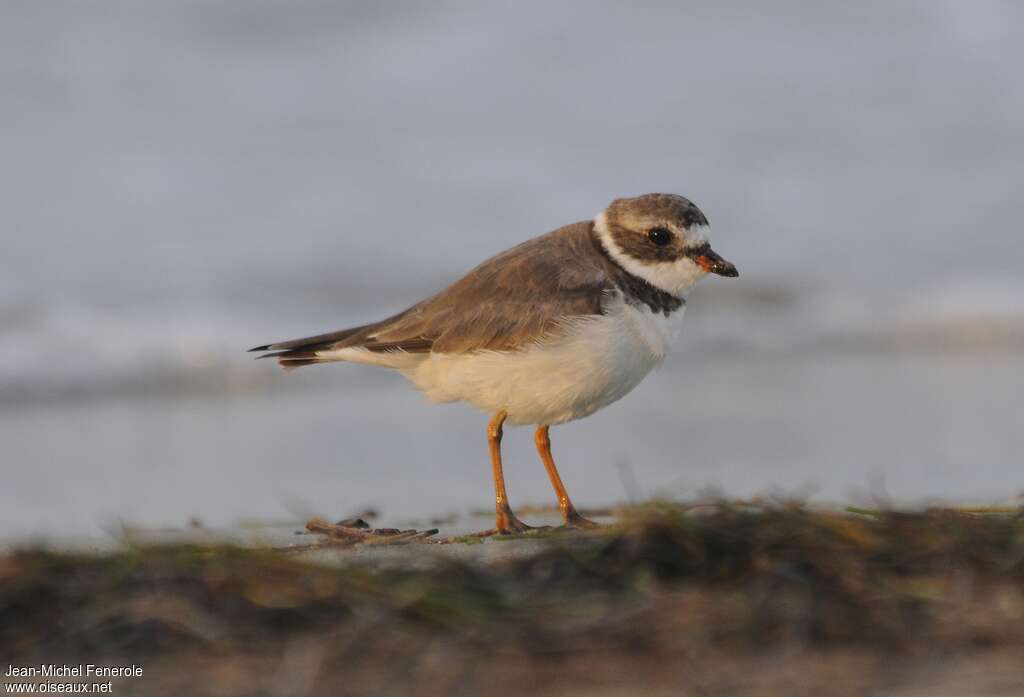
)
(506, 522)
(569, 514)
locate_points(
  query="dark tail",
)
(299, 352)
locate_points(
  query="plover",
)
(547, 332)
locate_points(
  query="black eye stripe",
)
(660, 236)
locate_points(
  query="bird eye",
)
(660, 236)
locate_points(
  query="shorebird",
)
(547, 332)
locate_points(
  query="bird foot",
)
(576, 521)
(529, 531)
(508, 524)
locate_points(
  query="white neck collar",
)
(674, 277)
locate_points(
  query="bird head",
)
(661, 238)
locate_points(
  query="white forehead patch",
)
(695, 236)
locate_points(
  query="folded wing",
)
(514, 299)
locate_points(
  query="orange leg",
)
(506, 522)
(569, 514)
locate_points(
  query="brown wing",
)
(508, 301)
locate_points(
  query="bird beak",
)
(712, 263)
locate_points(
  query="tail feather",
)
(299, 352)
(293, 363)
(320, 340)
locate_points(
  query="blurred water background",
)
(182, 180)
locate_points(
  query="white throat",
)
(675, 277)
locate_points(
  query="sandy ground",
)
(736, 599)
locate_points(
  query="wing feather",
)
(514, 299)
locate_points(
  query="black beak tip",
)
(728, 270)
